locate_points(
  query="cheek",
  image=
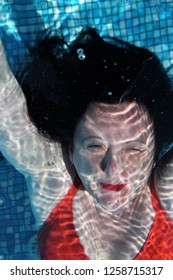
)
(139, 165)
(86, 164)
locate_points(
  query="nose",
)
(112, 163)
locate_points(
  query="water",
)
(145, 23)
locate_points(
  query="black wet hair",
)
(63, 79)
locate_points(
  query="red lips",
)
(116, 188)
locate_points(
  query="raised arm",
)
(20, 142)
(40, 161)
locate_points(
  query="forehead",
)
(123, 121)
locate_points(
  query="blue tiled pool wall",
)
(145, 23)
(17, 229)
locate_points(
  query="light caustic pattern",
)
(113, 155)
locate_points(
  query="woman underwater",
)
(99, 180)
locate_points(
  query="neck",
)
(136, 207)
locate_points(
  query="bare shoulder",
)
(163, 179)
(47, 186)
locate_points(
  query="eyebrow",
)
(136, 142)
(91, 137)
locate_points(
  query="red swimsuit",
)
(58, 239)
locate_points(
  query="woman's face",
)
(113, 152)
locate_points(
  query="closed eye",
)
(135, 150)
(95, 147)
(135, 147)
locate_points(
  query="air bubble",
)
(109, 93)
